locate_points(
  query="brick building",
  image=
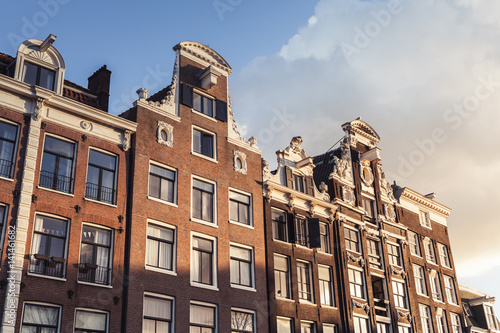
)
(63, 200)
(351, 253)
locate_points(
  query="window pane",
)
(196, 102)
(102, 160)
(90, 320)
(30, 73)
(207, 145)
(43, 315)
(207, 106)
(46, 78)
(202, 315)
(207, 187)
(158, 308)
(242, 321)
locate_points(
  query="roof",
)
(160, 95)
(324, 165)
(5, 60)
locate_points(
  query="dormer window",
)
(298, 183)
(38, 75)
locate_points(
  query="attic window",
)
(38, 75)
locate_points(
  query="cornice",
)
(422, 200)
(192, 48)
(244, 145)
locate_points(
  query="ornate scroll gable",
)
(385, 187)
(363, 132)
(342, 169)
(295, 148)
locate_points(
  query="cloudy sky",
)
(425, 74)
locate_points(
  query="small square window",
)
(240, 206)
(425, 219)
(203, 104)
(307, 327)
(204, 143)
(91, 321)
(203, 204)
(360, 325)
(38, 75)
(284, 325)
(162, 183)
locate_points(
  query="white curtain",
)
(90, 320)
(157, 308)
(202, 315)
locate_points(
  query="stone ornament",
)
(366, 173)
(240, 162)
(266, 174)
(385, 186)
(342, 165)
(390, 213)
(165, 134)
(398, 272)
(37, 112)
(359, 305)
(348, 195)
(86, 125)
(126, 140)
(358, 259)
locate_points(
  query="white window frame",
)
(252, 266)
(332, 326)
(91, 310)
(360, 320)
(214, 208)
(286, 226)
(322, 236)
(363, 282)
(250, 208)
(287, 319)
(117, 167)
(489, 313)
(45, 305)
(251, 312)
(66, 245)
(379, 263)
(403, 328)
(419, 274)
(426, 321)
(214, 143)
(436, 288)
(208, 305)
(174, 248)
(400, 283)
(214, 285)
(330, 286)
(450, 290)
(14, 151)
(311, 324)
(174, 204)
(415, 237)
(430, 252)
(359, 251)
(441, 322)
(288, 277)
(386, 325)
(214, 105)
(444, 253)
(425, 219)
(399, 256)
(165, 297)
(456, 323)
(311, 282)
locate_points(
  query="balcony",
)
(5, 168)
(100, 193)
(56, 182)
(45, 265)
(93, 273)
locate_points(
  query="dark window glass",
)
(239, 207)
(162, 183)
(40, 76)
(57, 165)
(241, 322)
(301, 231)
(298, 183)
(95, 255)
(279, 225)
(241, 266)
(203, 200)
(8, 136)
(203, 104)
(203, 260)
(324, 238)
(101, 177)
(203, 143)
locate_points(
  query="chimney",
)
(99, 85)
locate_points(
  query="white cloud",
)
(426, 66)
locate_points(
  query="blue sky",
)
(425, 74)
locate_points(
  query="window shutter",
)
(314, 234)
(207, 145)
(289, 177)
(290, 221)
(221, 110)
(309, 185)
(187, 95)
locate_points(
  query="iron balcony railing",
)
(5, 168)
(56, 182)
(100, 193)
(88, 272)
(45, 265)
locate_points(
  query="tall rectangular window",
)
(425, 219)
(444, 256)
(203, 104)
(202, 318)
(425, 318)
(162, 183)
(160, 247)
(414, 244)
(351, 240)
(38, 75)
(282, 276)
(449, 286)
(437, 295)
(379, 295)
(304, 280)
(325, 285)
(3, 219)
(374, 253)
(48, 248)
(241, 266)
(204, 143)
(456, 326)
(240, 207)
(91, 321)
(57, 165)
(369, 206)
(490, 317)
(307, 327)
(418, 272)
(393, 254)
(203, 200)
(242, 321)
(404, 329)
(429, 251)
(301, 231)
(279, 225)
(298, 183)
(356, 283)
(442, 327)
(284, 325)
(8, 139)
(202, 270)
(40, 318)
(157, 314)
(329, 328)
(383, 328)
(360, 325)
(95, 255)
(101, 177)
(324, 236)
(399, 291)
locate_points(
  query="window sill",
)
(162, 201)
(306, 302)
(55, 191)
(46, 276)
(204, 286)
(281, 241)
(95, 284)
(438, 301)
(203, 115)
(204, 157)
(328, 307)
(237, 286)
(423, 295)
(303, 247)
(242, 224)
(160, 270)
(324, 253)
(279, 298)
(210, 224)
(99, 202)
(7, 179)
